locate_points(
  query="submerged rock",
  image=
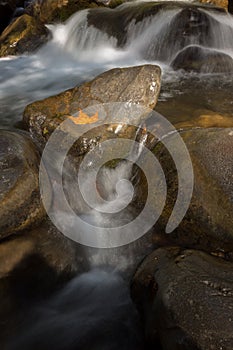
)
(24, 35)
(186, 299)
(208, 222)
(20, 203)
(137, 85)
(202, 60)
(207, 119)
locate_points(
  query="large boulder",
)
(202, 60)
(116, 92)
(24, 35)
(208, 221)
(137, 85)
(20, 203)
(185, 298)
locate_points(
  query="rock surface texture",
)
(24, 35)
(186, 299)
(137, 85)
(20, 203)
(208, 222)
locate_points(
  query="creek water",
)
(93, 41)
(94, 310)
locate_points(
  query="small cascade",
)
(82, 40)
(221, 25)
(93, 41)
(154, 32)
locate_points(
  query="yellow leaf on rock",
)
(83, 118)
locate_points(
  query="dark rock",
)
(7, 9)
(208, 221)
(20, 203)
(230, 6)
(186, 299)
(33, 265)
(201, 60)
(24, 35)
(19, 12)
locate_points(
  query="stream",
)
(94, 311)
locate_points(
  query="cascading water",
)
(96, 40)
(91, 42)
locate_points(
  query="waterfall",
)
(95, 40)
(157, 36)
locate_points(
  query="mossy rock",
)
(51, 11)
(24, 35)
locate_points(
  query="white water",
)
(78, 53)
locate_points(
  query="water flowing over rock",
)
(139, 85)
(20, 203)
(186, 299)
(152, 29)
(24, 35)
(202, 60)
(208, 221)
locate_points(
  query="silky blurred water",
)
(78, 52)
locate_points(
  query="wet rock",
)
(138, 85)
(201, 60)
(20, 203)
(7, 9)
(50, 11)
(208, 221)
(186, 299)
(24, 35)
(61, 254)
